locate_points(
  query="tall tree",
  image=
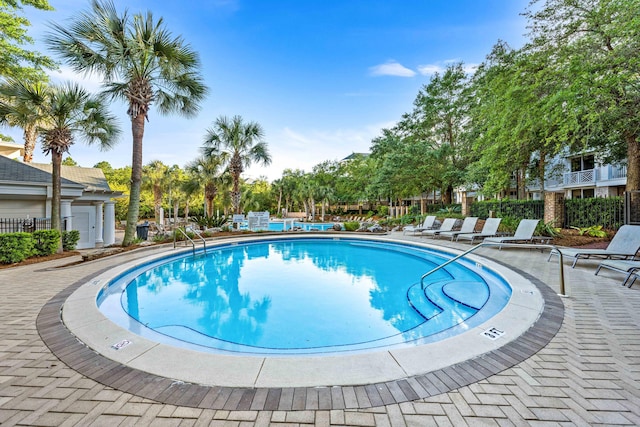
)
(512, 124)
(207, 174)
(594, 48)
(72, 113)
(142, 63)
(439, 120)
(20, 106)
(156, 178)
(16, 61)
(244, 145)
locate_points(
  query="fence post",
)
(554, 209)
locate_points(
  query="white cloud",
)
(391, 68)
(430, 69)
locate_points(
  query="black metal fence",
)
(29, 225)
(516, 209)
(607, 212)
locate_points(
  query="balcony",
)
(584, 177)
(610, 172)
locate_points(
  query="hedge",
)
(45, 242)
(15, 247)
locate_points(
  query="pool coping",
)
(410, 385)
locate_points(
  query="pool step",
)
(421, 303)
(437, 296)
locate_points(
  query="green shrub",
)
(383, 210)
(351, 225)
(15, 247)
(45, 242)
(209, 221)
(70, 240)
(509, 224)
(547, 229)
(593, 231)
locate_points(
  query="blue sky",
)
(322, 77)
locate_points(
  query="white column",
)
(65, 215)
(109, 223)
(99, 241)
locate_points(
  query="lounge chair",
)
(468, 226)
(489, 229)
(447, 225)
(523, 234)
(624, 245)
(630, 268)
(427, 224)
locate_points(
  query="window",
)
(583, 163)
(583, 193)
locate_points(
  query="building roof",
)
(92, 178)
(11, 149)
(12, 170)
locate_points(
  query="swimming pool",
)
(296, 225)
(126, 346)
(303, 296)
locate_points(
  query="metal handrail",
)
(515, 245)
(193, 244)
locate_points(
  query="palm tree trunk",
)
(235, 194)
(137, 129)
(30, 139)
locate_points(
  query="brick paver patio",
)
(588, 374)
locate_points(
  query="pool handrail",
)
(193, 244)
(562, 292)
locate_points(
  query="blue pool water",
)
(297, 296)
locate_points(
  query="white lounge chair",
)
(624, 245)
(447, 225)
(427, 224)
(630, 268)
(524, 233)
(468, 226)
(489, 229)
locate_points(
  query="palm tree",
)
(142, 64)
(243, 144)
(70, 112)
(19, 106)
(155, 178)
(207, 173)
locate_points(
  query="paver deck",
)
(587, 374)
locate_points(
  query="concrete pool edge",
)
(388, 370)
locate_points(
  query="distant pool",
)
(297, 225)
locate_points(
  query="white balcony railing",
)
(588, 176)
(614, 172)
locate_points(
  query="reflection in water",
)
(292, 294)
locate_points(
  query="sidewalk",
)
(589, 374)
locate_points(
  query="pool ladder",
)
(183, 231)
(506, 245)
